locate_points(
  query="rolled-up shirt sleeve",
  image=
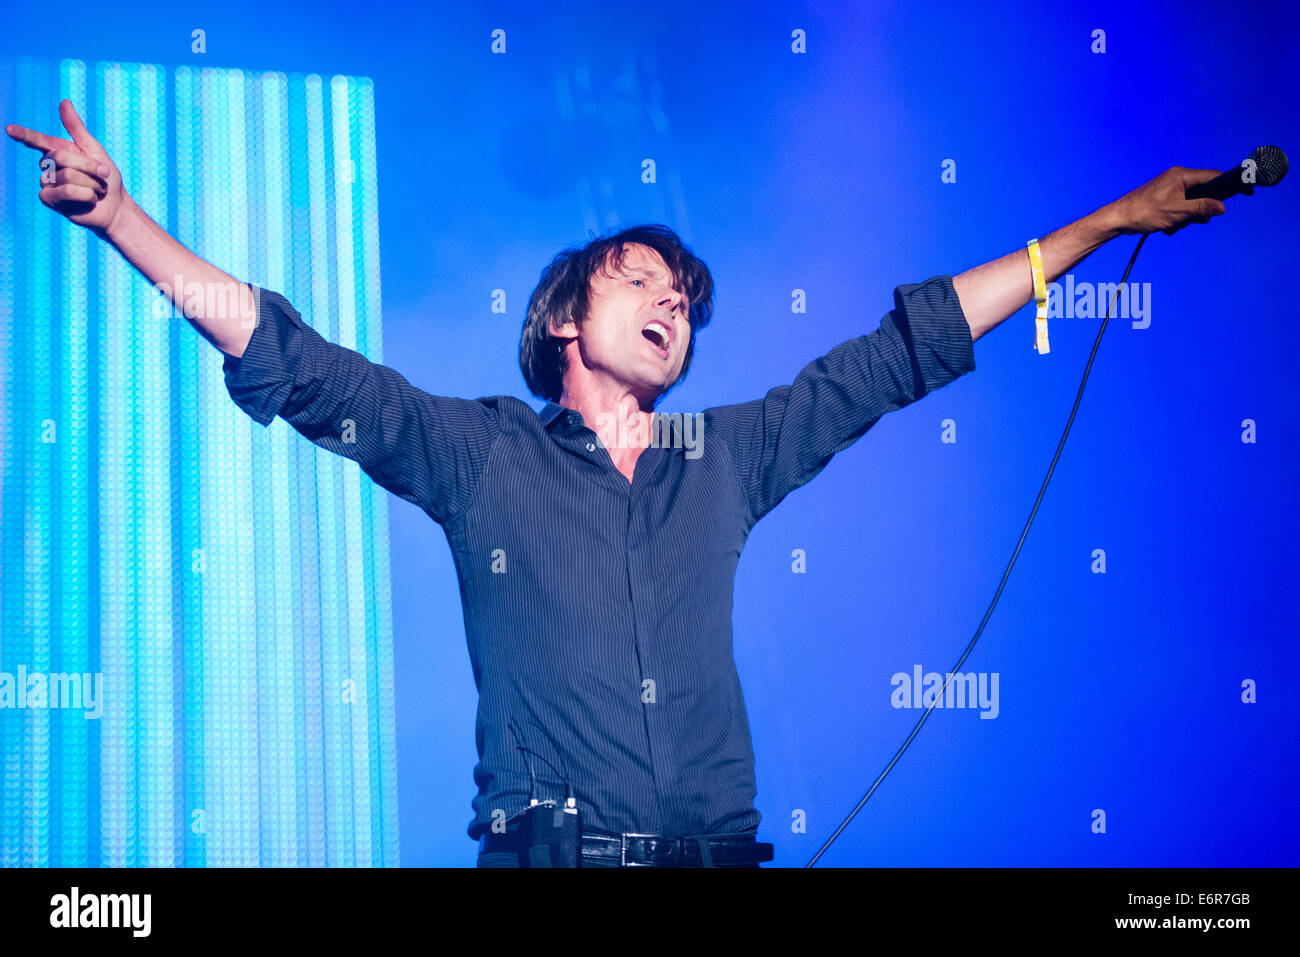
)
(783, 440)
(426, 449)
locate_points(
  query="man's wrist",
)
(124, 220)
(1111, 221)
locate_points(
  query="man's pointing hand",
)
(84, 185)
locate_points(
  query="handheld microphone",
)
(1264, 167)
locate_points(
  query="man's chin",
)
(654, 391)
(652, 388)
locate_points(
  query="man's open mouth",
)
(656, 336)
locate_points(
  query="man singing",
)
(596, 542)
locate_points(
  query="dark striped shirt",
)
(631, 674)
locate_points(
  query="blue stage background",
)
(821, 171)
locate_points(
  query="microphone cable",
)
(1005, 575)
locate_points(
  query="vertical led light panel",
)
(195, 631)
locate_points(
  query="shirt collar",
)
(553, 414)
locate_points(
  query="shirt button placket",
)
(642, 596)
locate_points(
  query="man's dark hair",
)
(564, 288)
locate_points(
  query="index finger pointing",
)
(37, 141)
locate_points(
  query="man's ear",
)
(568, 330)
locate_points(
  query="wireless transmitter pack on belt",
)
(550, 834)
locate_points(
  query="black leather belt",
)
(652, 850)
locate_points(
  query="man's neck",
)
(616, 415)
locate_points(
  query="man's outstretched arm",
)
(87, 189)
(427, 449)
(997, 290)
(783, 440)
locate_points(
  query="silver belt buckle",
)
(622, 857)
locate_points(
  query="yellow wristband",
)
(1040, 297)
